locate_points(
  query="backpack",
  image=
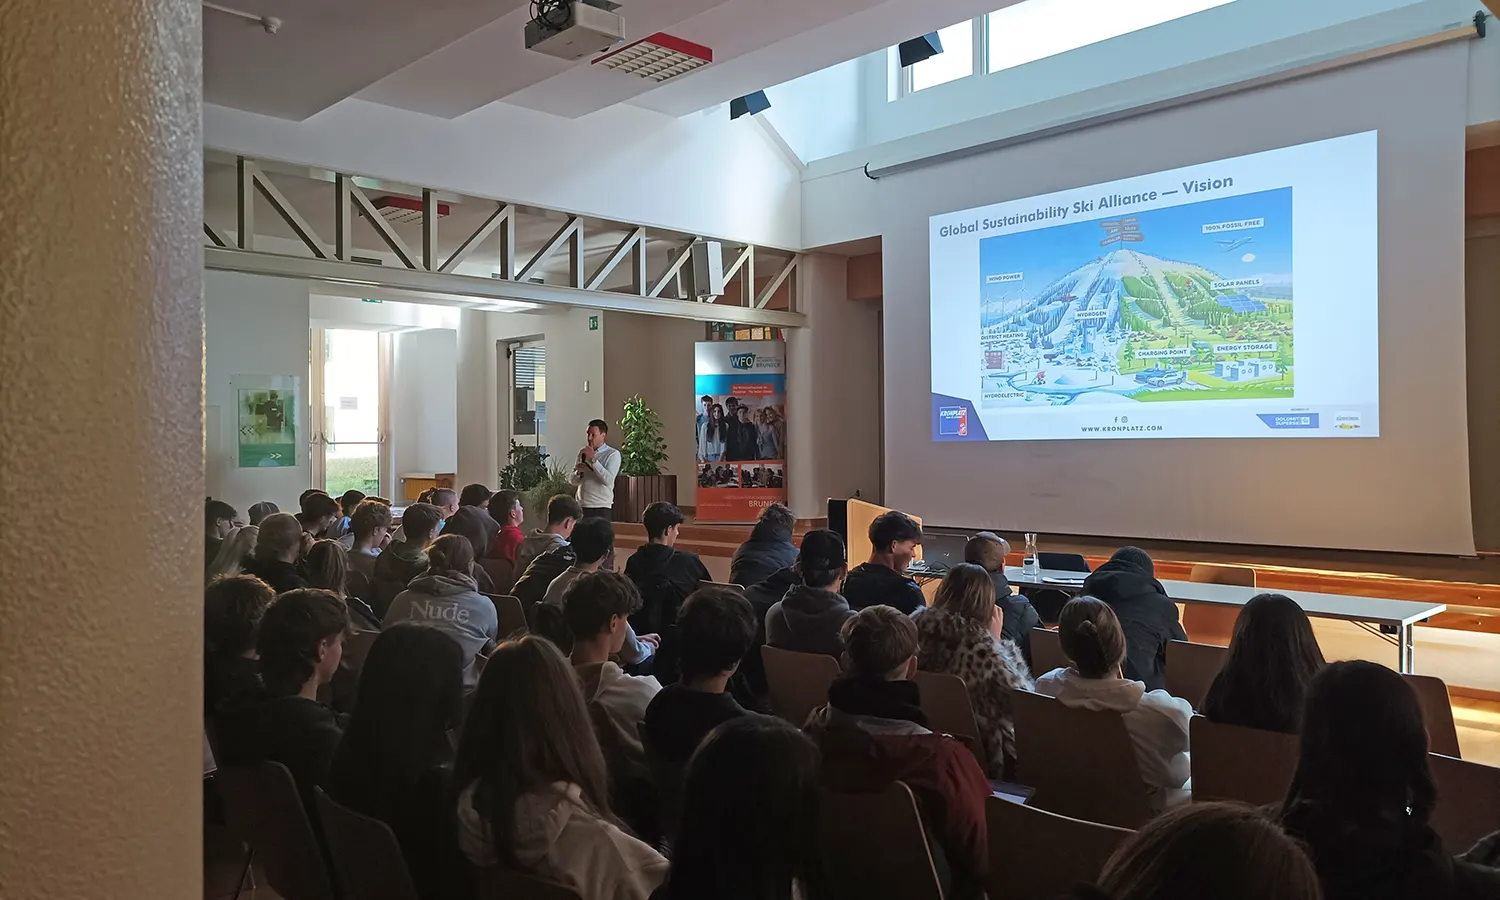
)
(531, 587)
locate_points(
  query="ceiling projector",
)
(573, 29)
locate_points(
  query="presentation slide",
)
(1232, 299)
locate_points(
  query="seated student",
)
(882, 581)
(591, 541)
(1362, 798)
(403, 560)
(1158, 722)
(319, 512)
(469, 523)
(960, 635)
(278, 546)
(563, 512)
(749, 818)
(234, 552)
(1223, 851)
(395, 762)
(505, 508)
(597, 609)
(715, 629)
(1273, 657)
(348, 501)
(809, 617)
(768, 550)
(327, 568)
(369, 532)
(663, 574)
(988, 550)
(446, 598)
(232, 609)
(219, 520)
(300, 643)
(873, 732)
(477, 497)
(259, 511)
(534, 789)
(1148, 616)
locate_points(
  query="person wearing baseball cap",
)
(809, 617)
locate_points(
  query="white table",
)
(1397, 615)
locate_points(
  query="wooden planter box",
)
(633, 493)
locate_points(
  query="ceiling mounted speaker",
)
(748, 105)
(918, 49)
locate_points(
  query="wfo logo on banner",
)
(742, 360)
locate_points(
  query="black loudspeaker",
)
(838, 518)
(748, 105)
(918, 49)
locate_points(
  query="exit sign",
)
(368, 300)
(593, 323)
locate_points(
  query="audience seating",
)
(1437, 714)
(344, 688)
(1191, 669)
(366, 857)
(502, 573)
(508, 884)
(1047, 652)
(1039, 855)
(874, 846)
(721, 584)
(945, 700)
(382, 593)
(1468, 805)
(358, 584)
(798, 681)
(263, 810)
(1214, 624)
(1231, 762)
(1081, 762)
(512, 614)
(1063, 562)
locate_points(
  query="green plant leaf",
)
(643, 449)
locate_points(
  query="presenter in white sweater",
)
(595, 472)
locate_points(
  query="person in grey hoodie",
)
(809, 617)
(447, 599)
(563, 512)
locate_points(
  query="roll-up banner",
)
(740, 396)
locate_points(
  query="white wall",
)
(575, 360)
(653, 356)
(253, 325)
(700, 173)
(820, 115)
(424, 402)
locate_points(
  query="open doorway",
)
(348, 405)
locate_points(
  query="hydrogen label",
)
(1086, 315)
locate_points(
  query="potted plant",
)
(535, 479)
(643, 450)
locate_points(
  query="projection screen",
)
(1222, 277)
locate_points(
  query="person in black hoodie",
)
(809, 617)
(769, 549)
(277, 549)
(664, 575)
(232, 610)
(717, 628)
(1148, 616)
(300, 644)
(1363, 794)
(395, 762)
(882, 581)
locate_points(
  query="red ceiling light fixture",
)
(404, 210)
(659, 57)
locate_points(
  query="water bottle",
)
(1029, 564)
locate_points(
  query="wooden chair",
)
(1047, 652)
(1437, 714)
(875, 848)
(1191, 669)
(945, 700)
(798, 681)
(502, 573)
(365, 854)
(1468, 804)
(496, 883)
(1214, 624)
(512, 614)
(263, 809)
(1039, 855)
(1231, 762)
(1080, 761)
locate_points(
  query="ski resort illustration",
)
(1189, 302)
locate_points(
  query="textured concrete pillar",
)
(101, 449)
(478, 430)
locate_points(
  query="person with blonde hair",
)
(327, 567)
(235, 549)
(962, 635)
(1158, 722)
(533, 786)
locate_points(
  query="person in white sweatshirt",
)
(534, 793)
(1158, 722)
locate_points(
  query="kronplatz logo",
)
(742, 360)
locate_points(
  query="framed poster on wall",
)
(740, 401)
(266, 409)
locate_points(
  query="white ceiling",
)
(448, 57)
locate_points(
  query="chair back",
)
(667, 777)
(511, 613)
(382, 594)
(1214, 624)
(798, 682)
(1191, 669)
(852, 824)
(1047, 652)
(1437, 714)
(262, 808)
(365, 853)
(1080, 761)
(344, 688)
(1468, 804)
(1231, 762)
(1039, 855)
(945, 700)
(496, 883)
(358, 584)
(502, 572)
(738, 589)
(1063, 562)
